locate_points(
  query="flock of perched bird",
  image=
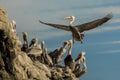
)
(54, 57)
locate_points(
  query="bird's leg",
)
(81, 37)
(81, 42)
(73, 38)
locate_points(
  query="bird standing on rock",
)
(42, 45)
(69, 62)
(81, 59)
(57, 54)
(13, 26)
(25, 39)
(34, 42)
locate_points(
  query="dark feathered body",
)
(68, 61)
(33, 41)
(78, 29)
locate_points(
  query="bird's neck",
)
(69, 49)
(79, 61)
(71, 23)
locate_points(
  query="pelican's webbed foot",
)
(81, 42)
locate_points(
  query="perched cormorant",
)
(34, 42)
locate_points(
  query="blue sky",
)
(102, 45)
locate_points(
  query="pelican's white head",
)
(71, 19)
(82, 53)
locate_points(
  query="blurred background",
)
(102, 45)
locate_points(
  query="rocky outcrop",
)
(17, 65)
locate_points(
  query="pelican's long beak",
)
(66, 18)
(77, 59)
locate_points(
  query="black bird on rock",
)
(77, 30)
(25, 44)
(57, 54)
(34, 42)
(69, 61)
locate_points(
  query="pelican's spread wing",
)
(93, 24)
(63, 27)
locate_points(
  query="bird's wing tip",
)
(110, 15)
(40, 21)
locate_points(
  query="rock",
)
(17, 65)
(3, 16)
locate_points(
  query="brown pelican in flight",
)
(78, 29)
